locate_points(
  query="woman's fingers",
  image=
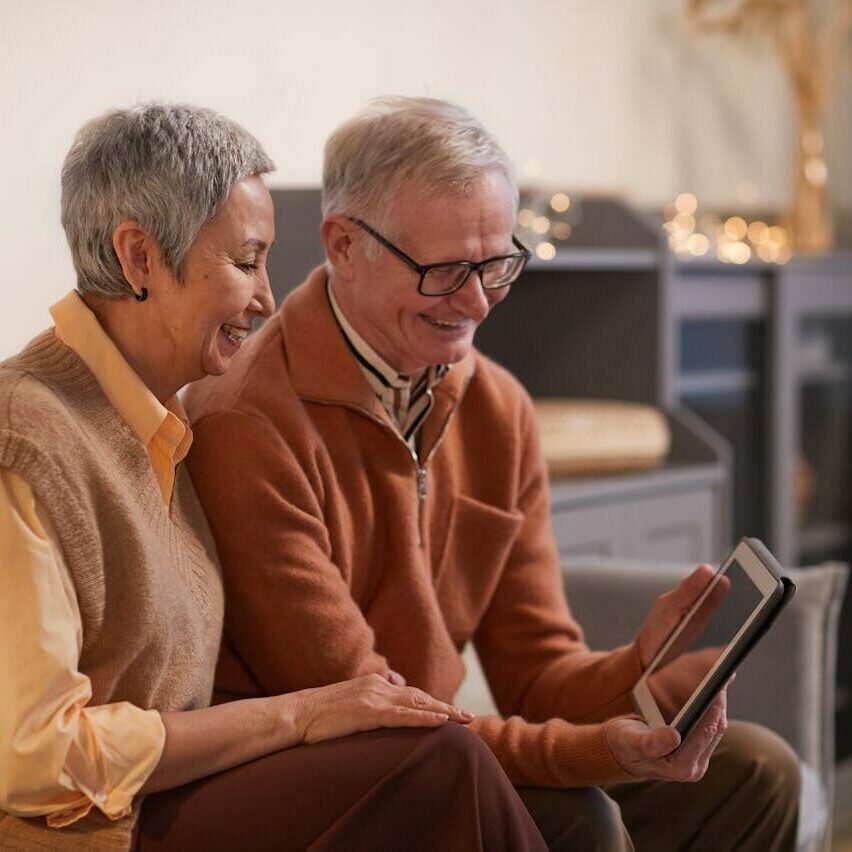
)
(420, 700)
(367, 703)
(396, 678)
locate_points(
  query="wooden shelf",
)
(604, 259)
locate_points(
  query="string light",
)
(541, 224)
(525, 218)
(546, 251)
(686, 202)
(735, 240)
(697, 244)
(757, 231)
(736, 227)
(547, 217)
(560, 202)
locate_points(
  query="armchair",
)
(787, 684)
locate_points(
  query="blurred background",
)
(689, 208)
(613, 96)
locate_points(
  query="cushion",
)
(589, 436)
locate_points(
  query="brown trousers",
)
(394, 789)
(748, 800)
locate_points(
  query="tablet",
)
(737, 607)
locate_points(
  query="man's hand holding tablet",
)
(689, 646)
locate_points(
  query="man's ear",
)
(337, 234)
(135, 250)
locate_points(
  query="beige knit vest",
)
(146, 576)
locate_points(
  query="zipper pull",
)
(421, 483)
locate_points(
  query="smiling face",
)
(225, 285)
(379, 297)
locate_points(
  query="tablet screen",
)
(712, 627)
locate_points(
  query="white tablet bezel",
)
(767, 583)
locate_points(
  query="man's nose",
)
(471, 298)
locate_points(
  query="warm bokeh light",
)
(546, 251)
(525, 217)
(561, 230)
(686, 202)
(777, 234)
(541, 224)
(685, 222)
(560, 202)
(697, 245)
(757, 231)
(816, 172)
(733, 252)
(736, 227)
(734, 239)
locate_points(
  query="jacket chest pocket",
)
(479, 539)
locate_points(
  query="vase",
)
(809, 219)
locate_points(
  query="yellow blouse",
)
(60, 757)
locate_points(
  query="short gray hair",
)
(169, 167)
(398, 141)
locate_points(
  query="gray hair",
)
(169, 167)
(397, 141)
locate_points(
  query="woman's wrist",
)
(283, 718)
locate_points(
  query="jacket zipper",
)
(420, 469)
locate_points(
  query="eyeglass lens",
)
(497, 273)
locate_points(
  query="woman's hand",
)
(364, 704)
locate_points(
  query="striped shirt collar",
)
(407, 405)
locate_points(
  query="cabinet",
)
(678, 512)
(764, 354)
(593, 322)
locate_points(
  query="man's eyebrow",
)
(260, 245)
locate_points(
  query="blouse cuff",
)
(117, 748)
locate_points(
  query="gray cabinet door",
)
(591, 531)
(679, 526)
(673, 527)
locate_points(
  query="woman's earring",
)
(140, 297)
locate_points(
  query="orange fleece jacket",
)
(335, 567)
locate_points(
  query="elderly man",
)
(377, 495)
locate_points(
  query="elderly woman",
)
(112, 609)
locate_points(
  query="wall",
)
(610, 95)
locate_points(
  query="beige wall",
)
(608, 94)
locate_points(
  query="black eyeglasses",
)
(441, 279)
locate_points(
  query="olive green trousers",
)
(747, 800)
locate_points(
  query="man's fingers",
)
(691, 587)
(637, 742)
(658, 742)
(702, 742)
